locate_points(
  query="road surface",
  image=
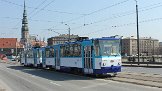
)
(18, 78)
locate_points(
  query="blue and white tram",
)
(94, 56)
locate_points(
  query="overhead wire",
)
(31, 12)
(55, 11)
(96, 11)
(152, 6)
(93, 12)
(37, 7)
(36, 20)
(43, 8)
(123, 25)
(158, 5)
(115, 16)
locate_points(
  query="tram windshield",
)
(107, 47)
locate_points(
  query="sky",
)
(88, 18)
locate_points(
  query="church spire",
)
(24, 29)
(24, 20)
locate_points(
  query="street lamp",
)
(68, 31)
(137, 30)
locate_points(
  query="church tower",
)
(24, 29)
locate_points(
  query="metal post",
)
(121, 45)
(16, 48)
(68, 31)
(137, 32)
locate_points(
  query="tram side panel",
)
(29, 58)
(50, 62)
(70, 57)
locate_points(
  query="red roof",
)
(8, 42)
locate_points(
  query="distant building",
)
(64, 38)
(160, 48)
(148, 46)
(38, 44)
(10, 46)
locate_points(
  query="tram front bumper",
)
(105, 70)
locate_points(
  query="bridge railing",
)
(153, 60)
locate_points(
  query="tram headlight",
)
(119, 62)
(104, 64)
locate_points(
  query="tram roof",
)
(67, 43)
(106, 38)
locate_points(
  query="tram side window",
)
(77, 50)
(30, 54)
(67, 51)
(62, 51)
(97, 48)
(72, 50)
(49, 53)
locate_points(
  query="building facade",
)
(64, 38)
(147, 46)
(61, 39)
(160, 48)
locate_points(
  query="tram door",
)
(44, 58)
(57, 59)
(88, 64)
(25, 55)
(35, 57)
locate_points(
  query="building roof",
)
(141, 38)
(8, 42)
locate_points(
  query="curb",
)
(142, 66)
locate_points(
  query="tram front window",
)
(107, 47)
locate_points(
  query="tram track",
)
(144, 77)
(139, 79)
